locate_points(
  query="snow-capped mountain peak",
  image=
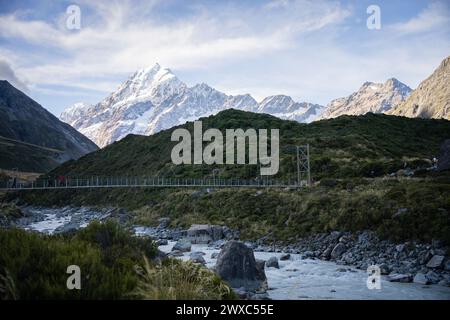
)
(153, 99)
(370, 97)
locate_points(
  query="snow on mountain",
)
(154, 99)
(74, 112)
(284, 107)
(371, 97)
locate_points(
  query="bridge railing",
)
(114, 182)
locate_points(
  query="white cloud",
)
(8, 73)
(435, 16)
(123, 36)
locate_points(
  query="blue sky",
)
(314, 50)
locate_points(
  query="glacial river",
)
(296, 278)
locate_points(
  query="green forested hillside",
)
(349, 146)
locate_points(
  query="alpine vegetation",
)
(235, 147)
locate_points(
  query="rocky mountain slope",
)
(154, 99)
(371, 97)
(431, 99)
(31, 138)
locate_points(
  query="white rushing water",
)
(297, 278)
(300, 278)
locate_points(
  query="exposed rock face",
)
(31, 138)
(431, 99)
(371, 97)
(237, 266)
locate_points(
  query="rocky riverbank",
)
(423, 264)
(402, 262)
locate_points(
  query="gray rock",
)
(436, 262)
(197, 257)
(214, 255)
(424, 256)
(163, 222)
(237, 266)
(433, 277)
(162, 242)
(175, 253)
(204, 233)
(421, 279)
(260, 274)
(385, 269)
(307, 255)
(447, 265)
(398, 277)
(285, 256)
(272, 263)
(338, 250)
(327, 253)
(182, 245)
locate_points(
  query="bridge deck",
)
(101, 182)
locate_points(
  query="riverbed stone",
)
(214, 255)
(236, 264)
(338, 250)
(204, 233)
(272, 263)
(182, 245)
(436, 261)
(398, 277)
(197, 257)
(285, 256)
(421, 279)
(433, 277)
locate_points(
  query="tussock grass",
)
(178, 280)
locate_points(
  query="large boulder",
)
(204, 233)
(237, 266)
(182, 245)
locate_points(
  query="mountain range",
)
(31, 138)
(153, 99)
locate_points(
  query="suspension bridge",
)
(147, 182)
(68, 182)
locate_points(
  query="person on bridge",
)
(61, 180)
